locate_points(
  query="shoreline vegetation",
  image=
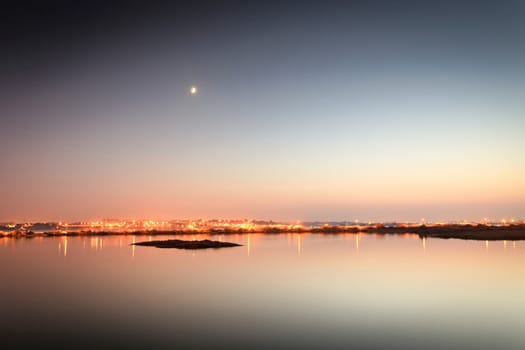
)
(182, 244)
(446, 231)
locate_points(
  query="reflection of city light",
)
(248, 245)
(299, 244)
(133, 247)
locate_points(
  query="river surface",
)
(276, 291)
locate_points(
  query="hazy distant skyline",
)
(375, 110)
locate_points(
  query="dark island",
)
(182, 244)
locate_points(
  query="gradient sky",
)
(377, 110)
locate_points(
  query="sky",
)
(311, 110)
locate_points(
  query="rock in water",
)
(182, 244)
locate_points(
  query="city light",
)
(117, 226)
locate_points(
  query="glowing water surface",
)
(286, 291)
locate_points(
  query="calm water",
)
(285, 291)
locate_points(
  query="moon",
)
(193, 90)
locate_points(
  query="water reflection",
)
(381, 298)
(62, 246)
(95, 243)
(133, 241)
(293, 241)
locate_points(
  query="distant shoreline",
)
(452, 231)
